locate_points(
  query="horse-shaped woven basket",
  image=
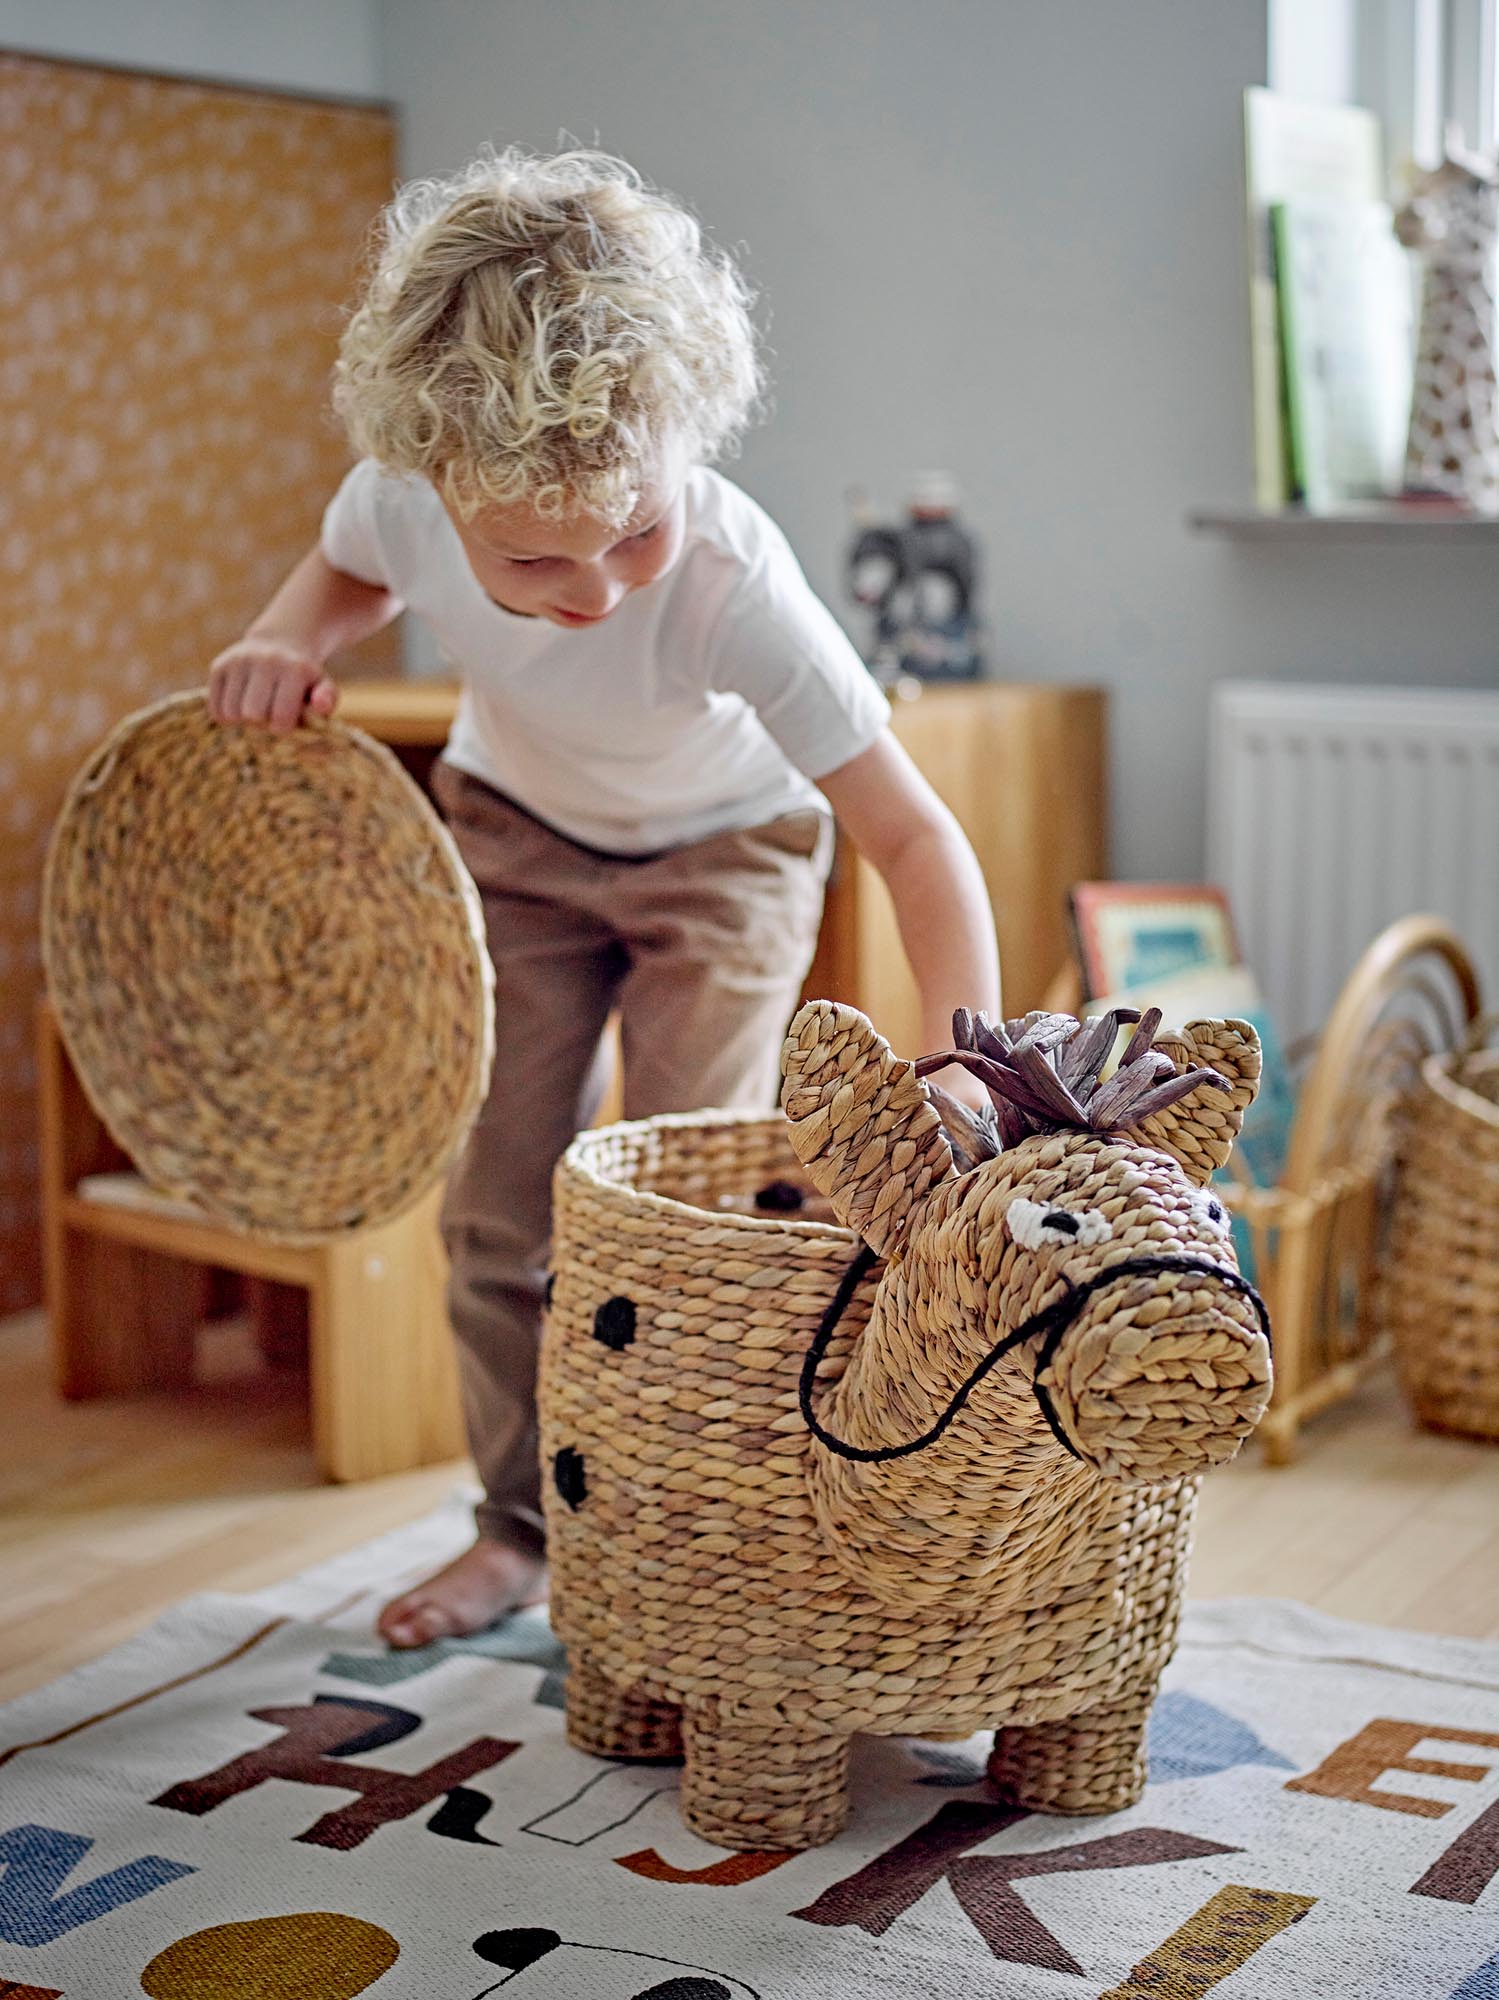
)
(794, 1497)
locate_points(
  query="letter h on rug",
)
(315, 1740)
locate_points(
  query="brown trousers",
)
(702, 951)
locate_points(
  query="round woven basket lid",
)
(269, 967)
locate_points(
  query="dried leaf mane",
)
(1045, 1074)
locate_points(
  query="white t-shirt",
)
(710, 699)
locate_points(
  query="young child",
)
(656, 715)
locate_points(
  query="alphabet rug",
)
(253, 1800)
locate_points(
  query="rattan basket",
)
(688, 1565)
(730, 1587)
(269, 966)
(1442, 1287)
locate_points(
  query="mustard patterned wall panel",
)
(173, 260)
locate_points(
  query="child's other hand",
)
(265, 683)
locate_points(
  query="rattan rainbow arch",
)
(268, 963)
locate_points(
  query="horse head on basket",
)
(1060, 1308)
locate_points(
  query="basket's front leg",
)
(771, 1784)
(610, 1721)
(1089, 1763)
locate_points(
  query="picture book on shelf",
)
(1293, 151)
(1347, 316)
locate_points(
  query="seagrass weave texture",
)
(269, 966)
(723, 1577)
(1442, 1284)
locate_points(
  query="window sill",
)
(1383, 521)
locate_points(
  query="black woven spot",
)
(614, 1322)
(515, 1949)
(567, 1473)
(780, 1198)
(550, 1287)
(685, 1989)
(1058, 1218)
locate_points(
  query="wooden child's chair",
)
(127, 1288)
(290, 1055)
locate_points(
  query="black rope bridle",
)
(1051, 1321)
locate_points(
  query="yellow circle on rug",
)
(318, 1955)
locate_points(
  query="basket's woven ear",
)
(1199, 1131)
(861, 1121)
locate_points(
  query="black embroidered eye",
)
(1036, 1227)
(1207, 1208)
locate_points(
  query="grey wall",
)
(1004, 238)
(1313, 46)
(995, 236)
(311, 45)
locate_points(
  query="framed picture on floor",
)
(1132, 933)
(1228, 993)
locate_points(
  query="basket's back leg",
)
(1089, 1763)
(762, 1785)
(609, 1721)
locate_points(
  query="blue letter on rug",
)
(35, 1861)
(1482, 1984)
(1190, 1738)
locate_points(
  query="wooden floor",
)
(110, 1512)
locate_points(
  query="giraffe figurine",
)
(1452, 220)
(947, 1486)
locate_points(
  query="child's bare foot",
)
(473, 1591)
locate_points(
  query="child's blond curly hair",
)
(537, 329)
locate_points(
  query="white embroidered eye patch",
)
(1207, 1208)
(1037, 1225)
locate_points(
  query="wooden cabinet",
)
(1023, 768)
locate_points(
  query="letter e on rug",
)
(1384, 1745)
(1469, 1865)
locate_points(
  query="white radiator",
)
(1333, 810)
